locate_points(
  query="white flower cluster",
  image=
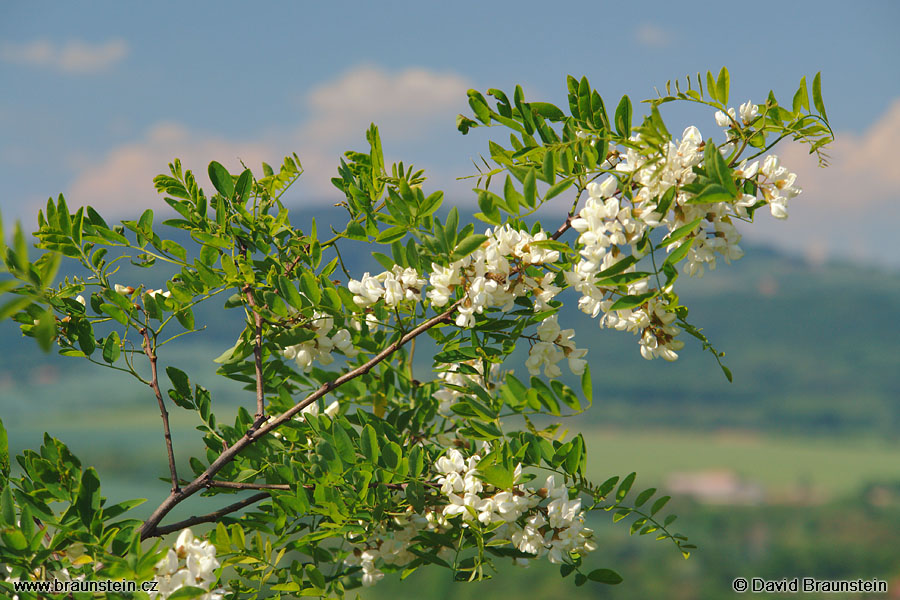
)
(554, 529)
(604, 225)
(485, 274)
(320, 347)
(775, 182)
(392, 546)
(607, 224)
(127, 290)
(312, 409)
(555, 344)
(394, 286)
(198, 569)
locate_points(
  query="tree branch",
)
(154, 384)
(258, 429)
(211, 517)
(249, 486)
(257, 354)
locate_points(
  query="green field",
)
(831, 467)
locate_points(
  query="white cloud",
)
(651, 35)
(121, 183)
(405, 104)
(849, 209)
(402, 102)
(75, 57)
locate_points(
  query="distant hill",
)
(812, 348)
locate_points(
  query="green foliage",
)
(349, 460)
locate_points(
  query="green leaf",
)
(115, 312)
(606, 576)
(679, 253)
(179, 380)
(644, 496)
(723, 83)
(711, 194)
(657, 506)
(187, 592)
(468, 245)
(221, 179)
(801, 98)
(88, 501)
(7, 506)
(680, 232)
(368, 443)
(711, 85)
(547, 110)
(14, 539)
(623, 117)
(631, 301)
(718, 169)
(344, 444)
(625, 486)
(529, 191)
(480, 107)
(112, 347)
(243, 187)
(587, 386)
(497, 475)
(390, 235)
(817, 95)
(309, 285)
(559, 187)
(4, 456)
(145, 223)
(391, 455)
(289, 292)
(13, 306)
(548, 168)
(45, 331)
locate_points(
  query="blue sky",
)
(98, 97)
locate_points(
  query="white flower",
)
(332, 409)
(748, 111)
(367, 291)
(80, 299)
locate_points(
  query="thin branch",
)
(257, 354)
(154, 384)
(211, 517)
(249, 486)
(562, 228)
(286, 487)
(290, 267)
(261, 427)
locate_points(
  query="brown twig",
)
(211, 517)
(249, 486)
(562, 228)
(257, 354)
(290, 267)
(285, 487)
(154, 384)
(259, 429)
